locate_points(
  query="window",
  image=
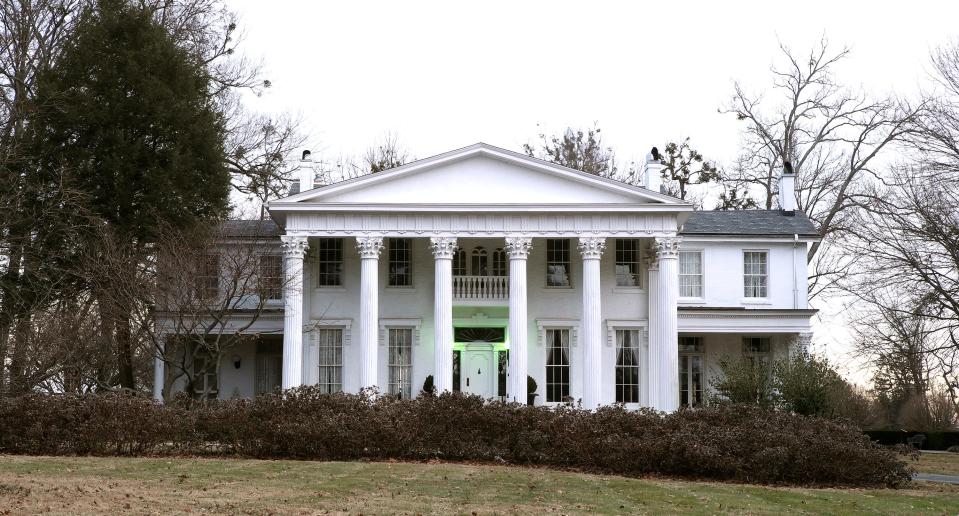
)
(457, 378)
(502, 359)
(755, 273)
(691, 274)
(459, 262)
(205, 385)
(330, 351)
(500, 263)
(691, 374)
(557, 365)
(627, 262)
(627, 366)
(480, 262)
(756, 349)
(557, 262)
(269, 366)
(401, 262)
(270, 276)
(208, 276)
(400, 362)
(329, 252)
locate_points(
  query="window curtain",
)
(330, 357)
(400, 360)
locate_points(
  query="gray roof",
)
(250, 228)
(774, 223)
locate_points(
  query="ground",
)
(941, 463)
(111, 485)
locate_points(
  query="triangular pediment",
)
(482, 175)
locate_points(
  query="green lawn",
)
(86, 485)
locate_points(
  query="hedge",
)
(934, 440)
(734, 443)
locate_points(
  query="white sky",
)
(442, 75)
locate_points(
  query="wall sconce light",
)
(237, 361)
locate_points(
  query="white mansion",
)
(481, 267)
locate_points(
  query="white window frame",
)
(546, 366)
(386, 325)
(702, 355)
(612, 326)
(341, 276)
(764, 356)
(640, 277)
(638, 365)
(319, 354)
(569, 265)
(742, 268)
(702, 275)
(389, 365)
(389, 261)
(202, 386)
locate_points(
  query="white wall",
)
(723, 274)
(723, 288)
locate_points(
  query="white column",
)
(443, 249)
(650, 375)
(294, 248)
(663, 330)
(369, 249)
(518, 249)
(591, 331)
(159, 374)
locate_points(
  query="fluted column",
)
(591, 331)
(294, 248)
(443, 250)
(663, 330)
(369, 249)
(518, 249)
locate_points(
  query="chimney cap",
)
(305, 156)
(787, 168)
(653, 156)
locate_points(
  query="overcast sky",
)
(443, 75)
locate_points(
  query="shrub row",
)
(934, 440)
(737, 443)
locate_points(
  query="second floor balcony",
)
(491, 290)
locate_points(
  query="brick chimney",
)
(787, 189)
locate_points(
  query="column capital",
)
(591, 248)
(369, 246)
(666, 247)
(519, 247)
(443, 247)
(294, 246)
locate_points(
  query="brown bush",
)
(738, 443)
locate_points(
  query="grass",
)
(941, 463)
(132, 485)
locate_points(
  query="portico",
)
(567, 222)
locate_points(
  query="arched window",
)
(459, 262)
(499, 263)
(480, 264)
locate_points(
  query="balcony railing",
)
(481, 288)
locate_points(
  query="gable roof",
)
(638, 194)
(750, 223)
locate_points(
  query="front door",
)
(477, 373)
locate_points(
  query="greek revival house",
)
(480, 268)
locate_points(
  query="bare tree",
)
(830, 134)
(909, 240)
(386, 155)
(686, 168)
(579, 149)
(211, 286)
